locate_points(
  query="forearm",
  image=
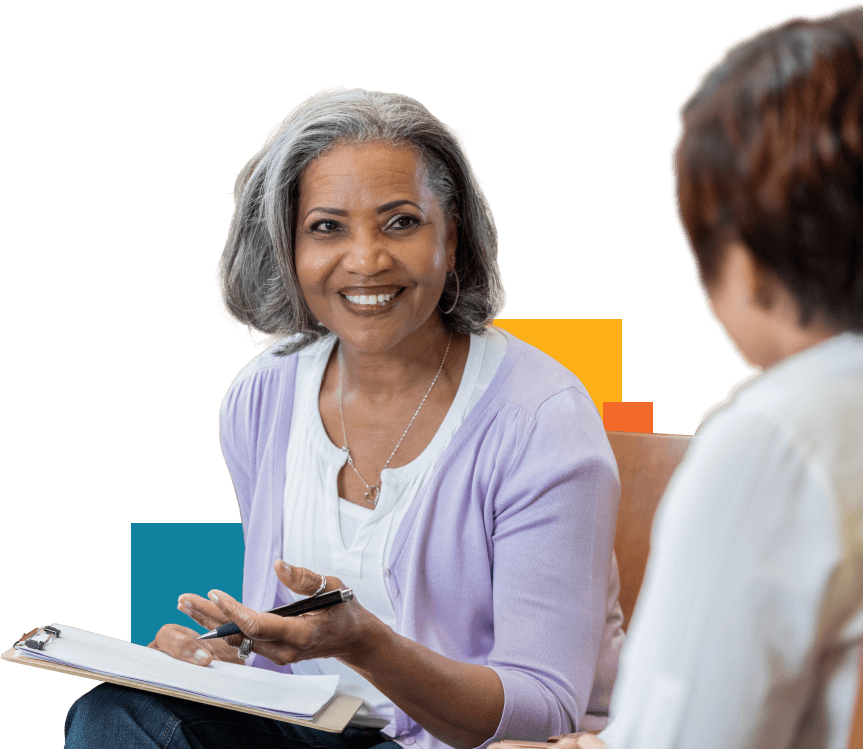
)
(458, 703)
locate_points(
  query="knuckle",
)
(178, 641)
(234, 641)
(251, 626)
(163, 636)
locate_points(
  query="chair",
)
(646, 463)
(855, 740)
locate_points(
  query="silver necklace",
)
(373, 493)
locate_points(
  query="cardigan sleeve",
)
(554, 518)
(236, 434)
(254, 424)
(249, 414)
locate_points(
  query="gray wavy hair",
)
(259, 281)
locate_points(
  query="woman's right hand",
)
(183, 644)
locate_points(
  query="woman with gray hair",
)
(458, 480)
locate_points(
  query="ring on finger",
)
(245, 649)
(323, 585)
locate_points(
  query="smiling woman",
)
(372, 274)
(372, 277)
(260, 282)
(458, 480)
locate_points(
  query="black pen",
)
(292, 609)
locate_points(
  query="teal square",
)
(169, 559)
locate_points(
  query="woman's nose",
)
(367, 254)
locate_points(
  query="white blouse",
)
(748, 627)
(332, 536)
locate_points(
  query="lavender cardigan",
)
(503, 559)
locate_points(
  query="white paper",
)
(290, 694)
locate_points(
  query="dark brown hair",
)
(772, 156)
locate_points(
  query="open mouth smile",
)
(369, 302)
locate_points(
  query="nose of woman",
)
(367, 253)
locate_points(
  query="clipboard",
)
(332, 717)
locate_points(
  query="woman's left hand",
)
(581, 740)
(336, 632)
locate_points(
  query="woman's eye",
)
(395, 223)
(325, 227)
(404, 222)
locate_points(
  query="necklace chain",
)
(373, 493)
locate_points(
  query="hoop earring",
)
(455, 302)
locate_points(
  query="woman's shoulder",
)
(535, 427)
(273, 366)
(528, 377)
(811, 400)
(536, 406)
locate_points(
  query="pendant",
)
(372, 495)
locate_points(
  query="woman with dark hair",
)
(748, 628)
(393, 443)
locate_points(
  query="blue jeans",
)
(110, 717)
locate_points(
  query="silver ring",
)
(245, 649)
(321, 586)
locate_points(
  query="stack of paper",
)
(288, 694)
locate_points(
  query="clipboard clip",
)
(36, 639)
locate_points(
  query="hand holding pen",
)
(306, 606)
(333, 631)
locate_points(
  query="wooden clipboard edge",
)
(333, 716)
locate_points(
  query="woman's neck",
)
(402, 368)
